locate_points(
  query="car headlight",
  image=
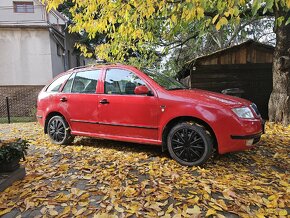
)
(243, 112)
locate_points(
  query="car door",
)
(79, 100)
(124, 113)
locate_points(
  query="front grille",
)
(255, 108)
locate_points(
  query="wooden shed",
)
(247, 66)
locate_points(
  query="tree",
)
(257, 28)
(145, 25)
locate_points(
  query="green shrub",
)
(12, 150)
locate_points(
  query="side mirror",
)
(141, 90)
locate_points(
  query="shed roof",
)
(236, 54)
(233, 48)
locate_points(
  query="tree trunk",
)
(279, 104)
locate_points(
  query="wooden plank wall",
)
(239, 55)
(254, 79)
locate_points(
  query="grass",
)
(17, 119)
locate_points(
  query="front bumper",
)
(254, 136)
(40, 117)
(246, 137)
(250, 139)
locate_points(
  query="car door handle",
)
(104, 101)
(63, 99)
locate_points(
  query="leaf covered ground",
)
(100, 178)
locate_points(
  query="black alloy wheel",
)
(58, 131)
(189, 144)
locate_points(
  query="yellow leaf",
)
(283, 212)
(119, 209)
(174, 18)
(155, 206)
(194, 200)
(129, 192)
(83, 203)
(195, 210)
(223, 21)
(227, 14)
(210, 212)
(63, 167)
(77, 191)
(259, 215)
(5, 211)
(61, 197)
(215, 18)
(169, 209)
(133, 209)
(284, 183)
(109, 208)
(272, 197)
(43, 210)
(84, 196)
(228, 194)
(200, 12)
(79, 212)
(65, 211)
(53, 212)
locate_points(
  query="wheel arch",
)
(50, 115)
(181, 119)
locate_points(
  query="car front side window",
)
(121, 82)
(86, 81)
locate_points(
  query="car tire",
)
(189, 144)
(58, 131)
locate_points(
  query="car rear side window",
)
(56, 84)
(86, 81)
(68, 85)
(121, 82)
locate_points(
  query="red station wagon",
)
(120, 102)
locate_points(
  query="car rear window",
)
(56, 84)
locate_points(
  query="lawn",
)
(100, 178)
(17, 119)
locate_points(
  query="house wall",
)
(28, 54)
(72, 60)
(39, 18)
(25, 56)
(56, 60)
(58, 65)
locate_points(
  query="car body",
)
(121, 102)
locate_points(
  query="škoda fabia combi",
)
(120, 102)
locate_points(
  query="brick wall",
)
(22, 100)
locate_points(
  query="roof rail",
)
(101, 62)
(80, 67)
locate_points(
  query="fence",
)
(9, 114)
(18, 103)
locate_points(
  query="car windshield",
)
(166, 82)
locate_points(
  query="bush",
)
(11, 150)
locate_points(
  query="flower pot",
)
(9, 166)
